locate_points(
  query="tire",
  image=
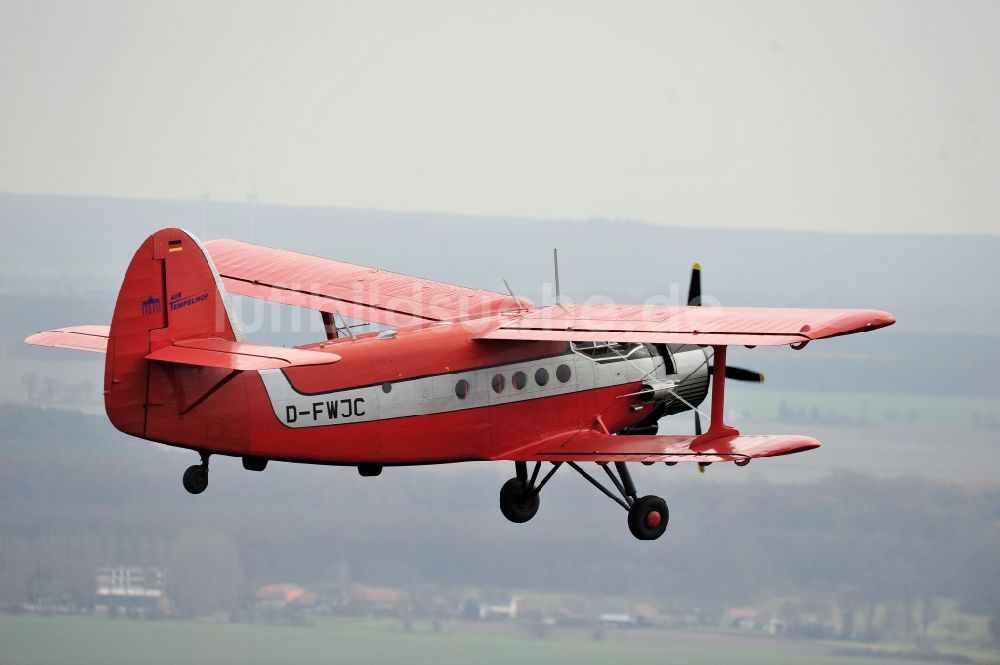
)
(648, 517)
(196, 479)
(516, 503)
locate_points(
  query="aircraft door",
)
(536, 399)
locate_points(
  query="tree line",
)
(78, 495)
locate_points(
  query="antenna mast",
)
(555, 262)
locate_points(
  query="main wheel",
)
(196, 479)
(648, 517)
(516, 503)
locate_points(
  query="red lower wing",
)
(593, 446)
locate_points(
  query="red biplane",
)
(455, 374)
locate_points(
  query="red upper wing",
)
(355, 291)
(749, 326)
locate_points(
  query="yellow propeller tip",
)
(695, 266)
(762, 377)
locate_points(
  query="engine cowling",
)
(686, 381)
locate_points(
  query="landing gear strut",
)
(647, 515)
(196, 477)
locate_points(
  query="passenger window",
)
(519, 380)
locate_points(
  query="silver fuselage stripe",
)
(437, 393)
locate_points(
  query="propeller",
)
(649, 424)
(694, 300)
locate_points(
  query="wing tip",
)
(886, 319)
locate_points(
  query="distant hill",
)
(62, 259)
(934, 283)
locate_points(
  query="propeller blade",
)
(735, 373)
(694, 290)
(694, 299)
(740, 374)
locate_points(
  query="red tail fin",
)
(171, 291)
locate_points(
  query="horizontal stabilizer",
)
(214, 352)
(79, 338)
(594, 446)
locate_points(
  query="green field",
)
(83, 640)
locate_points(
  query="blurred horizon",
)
(483, 218)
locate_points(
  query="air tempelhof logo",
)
(151, 305)
(179, 300)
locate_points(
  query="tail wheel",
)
(517, 503)
(648, 517)
(196, 478)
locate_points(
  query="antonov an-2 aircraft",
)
(455, 374)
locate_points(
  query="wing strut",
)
(330, 325)
(717, 427)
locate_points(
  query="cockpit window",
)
(611, 351)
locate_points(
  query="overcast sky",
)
(860, 116)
